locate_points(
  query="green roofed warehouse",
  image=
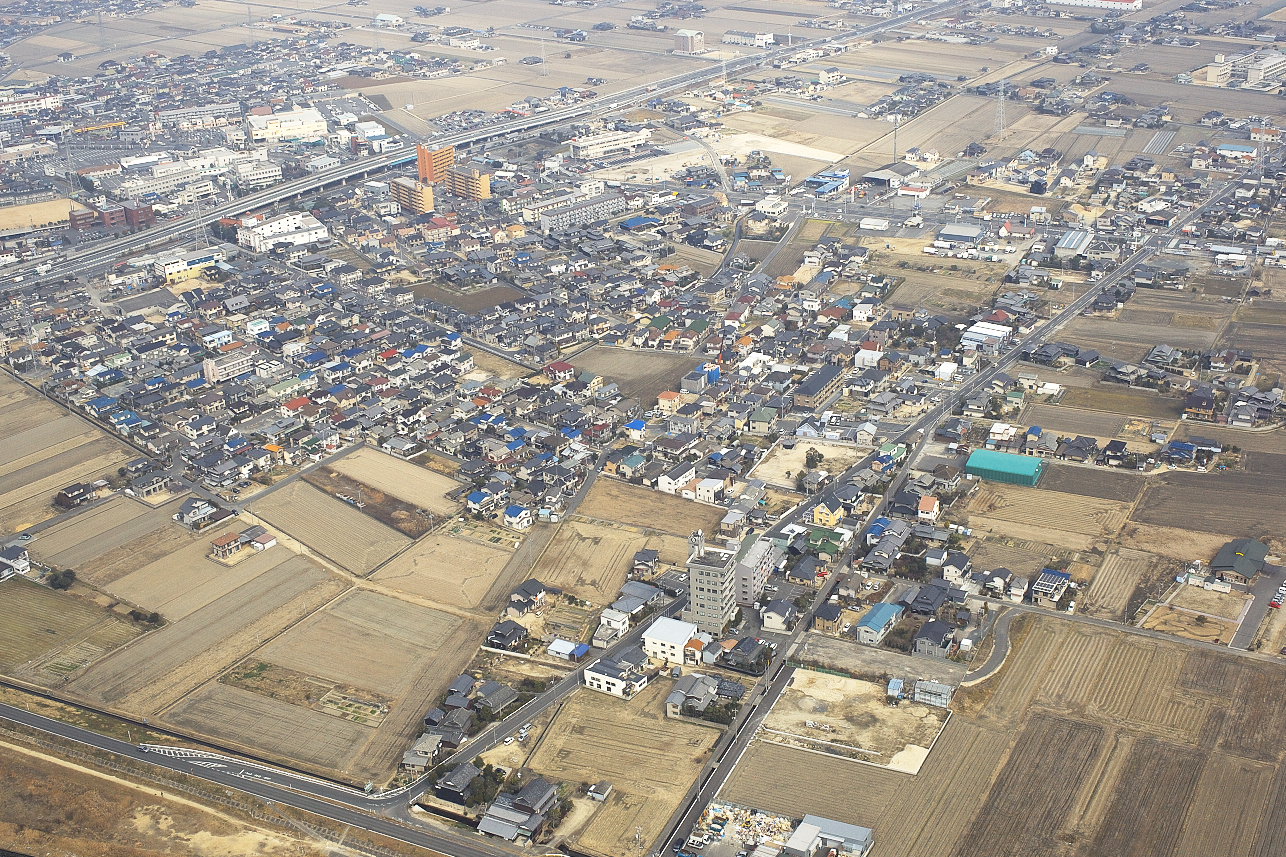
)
(1005, 467)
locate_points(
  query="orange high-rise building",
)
(433, 164)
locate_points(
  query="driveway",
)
(1262, 591)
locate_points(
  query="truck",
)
(872, 224)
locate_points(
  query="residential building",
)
(468, 183)
(180, 265)
(412, 196)
(666, 639)
(754, 563)
(433, 164)
(1240, 560)
(712, 597)
(872, 628)
(290, 229)
(821, 385)
(229, 364)
(614, 678)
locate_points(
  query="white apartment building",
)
(294, 228)
(609, 142)
(748, 39)
(712, 598)
(199, 115)
(305, 123)
(581, 211)
(30, 104)
(755, 561)
(666, 638)
(256, 174)
(229, 364)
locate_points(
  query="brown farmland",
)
(334, 529)
(614, 500)
(1061, 752)
(591, 560)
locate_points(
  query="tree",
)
(62, 579)
(813, 458)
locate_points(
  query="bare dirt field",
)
(404, 480)
(1069, 520)
(79, 540)
(1189, 625)
(1067, 420)
(819, 710)
(1173, 542)
(471, 302)
(781, 465)
(1233, 504)
(449, 570)
(407, 518)
(1101, 482)
(1023, 558)
(591, 560)
(650, 760)
(1226, 605)
(640, 374)
(936, 286)
(1251, 441)
(51, 635)
(335, 530)
(613, 500)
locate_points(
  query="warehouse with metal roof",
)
(1005, 467)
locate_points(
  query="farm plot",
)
(651, 760)
(1227, 828)
(335, 530)
(1251, 441)
(1100, 482)
(613, 500)
(385, 641)
(640, 375)
(1247, 504)
(818, 711)
(1121, 573)
(1070, 420)
(406, 518)
(949, 291)
(1022, 558)
(403, 480)
(1266, 341)
(171, 662)
(83, 538)
(452, 571)
(781, 465)
(1131, 403)
(1143, 820)
(1055, 517)
(26, 494)
(1028, 789)
(39, 626)
(180, 583)
(591, 560)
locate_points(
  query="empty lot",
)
(782, 465)
(614, 500)
(639, 374)
(335, 530)
(404, 480)
(650, 760)
(1068, 520)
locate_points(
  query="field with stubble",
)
(1062, 752)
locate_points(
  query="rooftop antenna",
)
(1000, 109)
(102, 34)
(698, 542)
(250, 23)
(543, 70)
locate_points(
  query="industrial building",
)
(1005, 467)
(604, 143)
(179, 265)
(305, 123)
(689, 42)
(1112, 5)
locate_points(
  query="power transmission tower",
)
(1000, 109)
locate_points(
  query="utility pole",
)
(1000, 110)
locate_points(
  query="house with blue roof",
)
(873, 627)
(518, 518)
